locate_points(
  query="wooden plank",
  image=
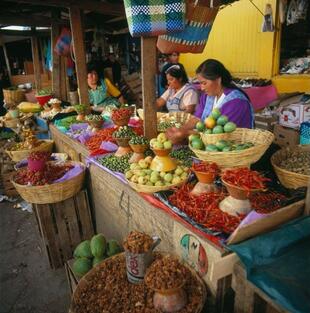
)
(73, 224)
(61, 224)
(56, 79)
(79, 52)
(36, 61)
(7, 62)
(63, 78)
(223, 267)
(48, 234)
(268, 223)
(148, 48)
(82, 205)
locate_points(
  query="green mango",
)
(96, 261)
(113, 247)
(211, 148)
(98, 245)
(81, 266)
(83, 250)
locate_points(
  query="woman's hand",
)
(176, 135)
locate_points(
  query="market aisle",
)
(27, 284)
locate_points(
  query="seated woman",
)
(180, 96)
(101, 91)
(219, 92)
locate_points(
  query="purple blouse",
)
(238, 110)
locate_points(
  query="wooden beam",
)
(113, 9)
(28, 20)
(24, 33)
(7, 62)
(36, 62)
(148, 53)
(56, 81)
(79, 52)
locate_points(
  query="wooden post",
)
(148, 53)
(63, 78)
(77, 30)
(36, 62)
(7, 62)
(56, 78)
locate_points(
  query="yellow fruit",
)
(210, 122)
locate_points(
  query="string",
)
(251, 1)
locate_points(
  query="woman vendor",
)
(180, 95)
(101, 91)
(218, 92)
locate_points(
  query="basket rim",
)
(44, 140)
(48, 185)
(285, 171)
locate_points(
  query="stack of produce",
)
(139, 140)
(216, 124)
(123, 132)
(138, 242)
(140, 173)
(93, 144)
(161, 142)
(47, 176)
(30, 142)
(184, 155)
(116, 164)
(121, 116)
(89, 253)
(297, 162)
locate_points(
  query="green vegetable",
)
(83, 250)
(80, 108)
(197, 144)
(200, 126)
(222, 120)
(81, 266)
(113, 247)
(184, 155)
(229, 127)
(139, 140)
(98, 245)
(124, 132)
(44, 92)
(96, 261)
(67, 122)
(211, 148)
(116, 164)
(218, 129)
(163, 126)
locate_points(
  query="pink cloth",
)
(261, 96)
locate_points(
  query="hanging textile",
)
(200, 16)
(154, 17)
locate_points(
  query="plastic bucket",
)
(36, 165)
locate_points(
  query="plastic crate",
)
(305, 133)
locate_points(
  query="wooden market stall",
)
(116, 208)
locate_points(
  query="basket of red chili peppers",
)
(121, 117)
(205, 171)
(54, 183)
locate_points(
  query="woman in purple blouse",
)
(218, 92)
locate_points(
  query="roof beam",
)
(24, 33)
(28, 20)
(113, 9)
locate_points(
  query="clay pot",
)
(238, 192)
(205, 177)
(138, 153)
(162, 152)
(121, 122)
(123, 142)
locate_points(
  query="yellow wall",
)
(237, 41)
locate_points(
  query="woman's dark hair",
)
(178, 72)
(213, 69)
(93, 67)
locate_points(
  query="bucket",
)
(43, 99)
(137, 263)
(36, 165)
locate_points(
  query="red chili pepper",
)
(267, 202)
(206, 167)
(122, 113)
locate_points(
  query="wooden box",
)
(73, 280)
(285, 137)
(8, 187)
(249, 298)
(63, 226)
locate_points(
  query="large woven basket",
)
(179, 117)
(86, 279)
(13, 96)
(19, 155)
(12, 123)
(287, 178)
(54, 192)
(214, 138)
(261, 139)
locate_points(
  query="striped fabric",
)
(154, 17)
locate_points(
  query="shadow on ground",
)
(27, 284)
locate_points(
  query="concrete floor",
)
(27, 284)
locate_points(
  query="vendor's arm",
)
(239, 112)
(160, 102)
(113, 91)
(176, 135)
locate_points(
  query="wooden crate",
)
(249, 298)
(63, 226)
(8, 187)
(73, 280)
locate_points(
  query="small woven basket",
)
(11, 123)
(54, 192)
(87, 278)
(19, 155)
(261, 139)
(13, 96)
(287, 178)
(179, 117)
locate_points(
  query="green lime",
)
(229, 127)
(222, 120)
(200, 126)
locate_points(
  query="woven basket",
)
(199, 20)
(84, 282)
(141, 114)
(261, 139)
(52, 193)
(19, 155)
(214, 138)
(13, 96)
(179, 117)
(152, 189)
(287, 178)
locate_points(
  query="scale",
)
(238, 200)
(162, 161)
